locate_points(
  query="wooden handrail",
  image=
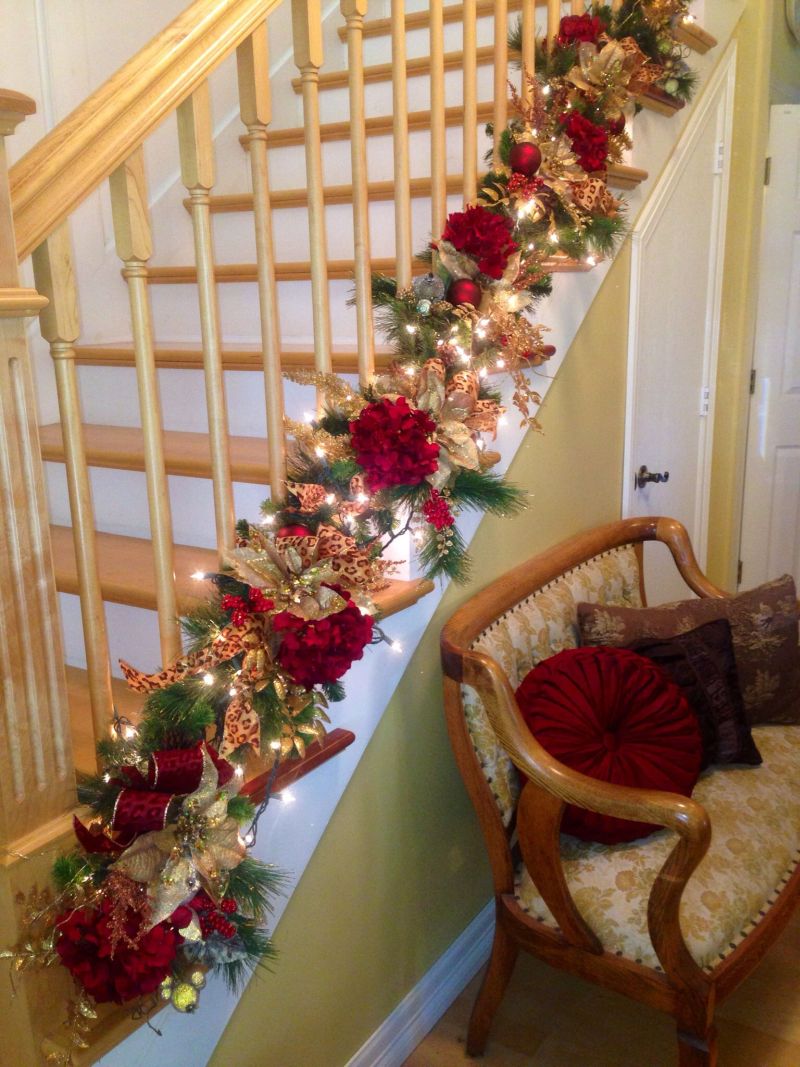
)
(59, 172)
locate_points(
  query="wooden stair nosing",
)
(655, 99)
(620, 175)
(187, 454)
(338, 270)
(127, 576)
(338, 79)
(694, 36)
(377, 126)
(190, 357)
(419, 19)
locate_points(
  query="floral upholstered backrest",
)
(537, 627)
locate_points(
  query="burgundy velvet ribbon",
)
(142, 805)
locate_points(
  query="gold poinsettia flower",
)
(194, 852)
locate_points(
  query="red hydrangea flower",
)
(577, 28)
(322, 650)
(391, 442)
(486, 237)
(84, 946)
(589, 142)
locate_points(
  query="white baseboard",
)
(420, 1010)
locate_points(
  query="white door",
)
(771, 513)
(676, 278)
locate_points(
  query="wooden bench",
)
(676, 920)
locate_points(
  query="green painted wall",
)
(784, 81)
(401, 868)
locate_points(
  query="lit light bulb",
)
(249, 838)
(553, 238)
(481, 333)
(688, 19)
(208, 679)
(362, 498)
(239, 772)
(330, 498)
(483, 322)
(319, 451)
(308, 416)
(591, 261)
(545, 90)
(288, 797)
(274, 745)
(198, 575)
(106, 777)
(502, 421)
(231, 692)
(500, 364)
(410, 328)
(129, 732)
(530, 247)
(482, 372)
(410, 371)
(268, 520)
(396, 646)
(439, 343)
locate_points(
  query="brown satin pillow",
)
(765, 640)
(701, 662)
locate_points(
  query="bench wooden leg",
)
(501, 964)
(694, 1051)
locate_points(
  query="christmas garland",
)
(161, 888)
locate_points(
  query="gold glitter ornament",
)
(185, 997)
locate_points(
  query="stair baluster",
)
(196, 142)
(134, 244)
(402, 187)
(438, 148)
(469, 142)
(307, 33)
(255, 110)
(528, 56)
(60, 327)
(354, 12)
(500, 117)
(553, 20)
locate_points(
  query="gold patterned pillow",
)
(764, 625)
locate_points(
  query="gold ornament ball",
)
(185, 997)
(198, 979)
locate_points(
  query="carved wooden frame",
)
(684, 990)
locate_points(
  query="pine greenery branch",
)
(453, 563)
(484, 491)
(116, 752)
(204, 623)
(334, 691)
(69, 870)
(254, 885)
(99, 795)
(175, 717)
(241, 809)
(260, 953)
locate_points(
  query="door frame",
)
(722, 81)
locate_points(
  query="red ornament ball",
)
(616, 124)
(464, 291)
(294, 531)
(525, 158)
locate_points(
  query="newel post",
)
(37, 781)
(36, 771)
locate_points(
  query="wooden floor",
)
(549, 1019)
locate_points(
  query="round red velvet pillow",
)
(615, 716)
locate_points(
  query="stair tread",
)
(619, 174)
(186, 453)
(337, 79)
(127, 577)
(187, 355)
(417, 19)
(337, 269)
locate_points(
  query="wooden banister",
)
(58, 173)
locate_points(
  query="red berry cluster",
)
(212, 919)
(520, 185)
(241, 608)
(437, 511)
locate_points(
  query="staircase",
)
(182, 396)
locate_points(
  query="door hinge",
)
(705, 399)
(739, 567)
(719, 157)
(767, 169)
(752, 381)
